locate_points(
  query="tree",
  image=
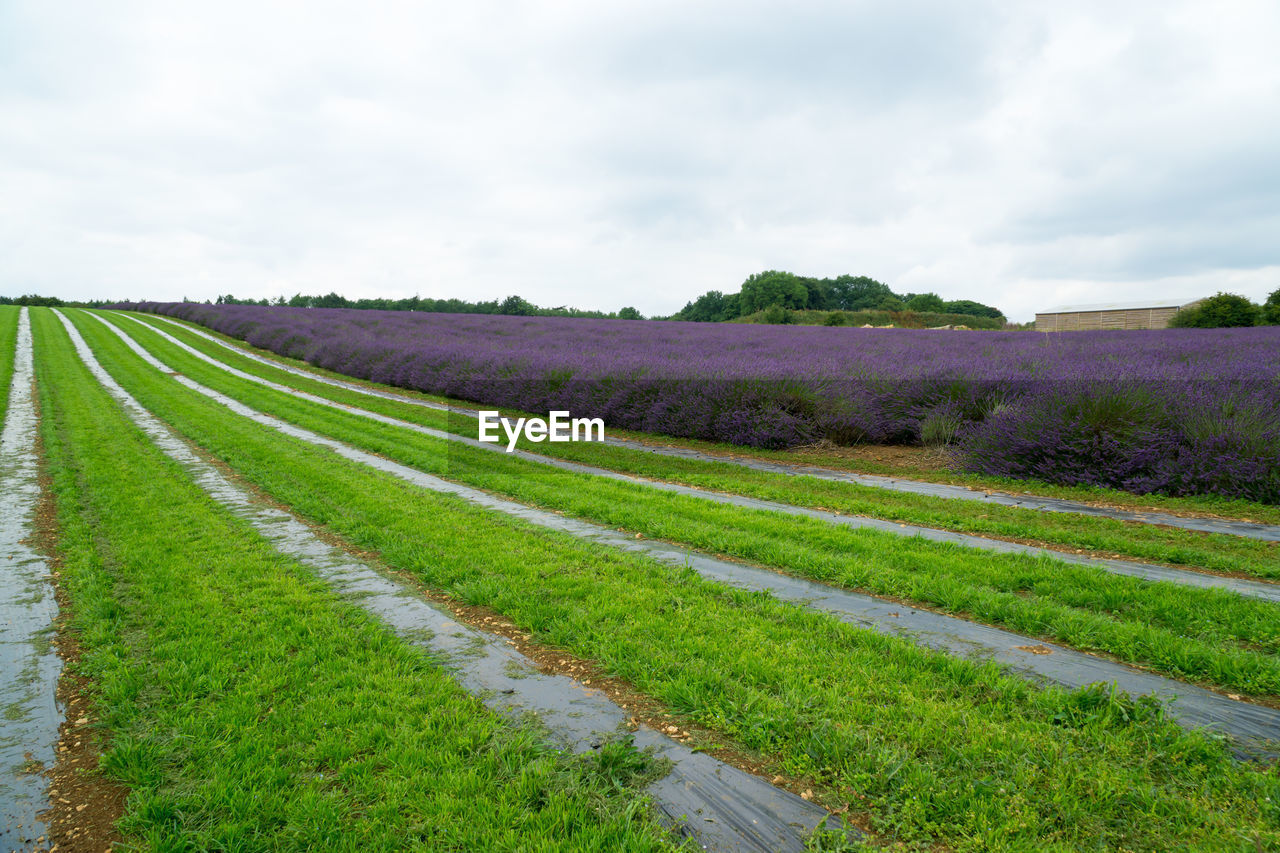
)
(772, 287)
(517, 306)
(329, 300)
(819, 293)
(925, 302)
(629, 313)
(1271, 309)
(707, 308)
(973, 309)
(857, 293)
(733, 306)
(1223, 310)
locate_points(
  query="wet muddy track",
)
(1254, 727)
(1252, 530)
(1250, 588)
(716, 804)
(29, 664)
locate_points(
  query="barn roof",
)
(1115, 306)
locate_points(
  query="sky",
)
(1022, 154)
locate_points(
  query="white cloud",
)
(625, 153)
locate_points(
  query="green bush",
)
(1271, 309)
(1217, 312)
(775, 315)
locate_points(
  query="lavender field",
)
(1178, 411)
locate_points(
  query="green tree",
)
(707, 308)
(629, 313)
(1271, 309)
(973, 309)
(733, 306)
(819, 291)
(857, 293)
(517, 306)
(772, 287)
(330, 300)
(1223, 310)
(925, 302)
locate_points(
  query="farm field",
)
(837, 460)
(1089, 608)
(242, 698)
(1177, 411)
(993, 519)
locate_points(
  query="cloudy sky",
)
(1023, 154)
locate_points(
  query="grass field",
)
(8, 336)
(245, 705)
(248, 706)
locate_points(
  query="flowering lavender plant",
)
(1178, 411)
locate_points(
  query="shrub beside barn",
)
(1117, 315)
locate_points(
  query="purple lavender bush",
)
(1177, 411)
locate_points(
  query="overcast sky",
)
(602, 154)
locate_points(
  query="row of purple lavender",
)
(1178, 411)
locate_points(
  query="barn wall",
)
(1129, 318)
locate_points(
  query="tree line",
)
(513, 306)
(764, 291)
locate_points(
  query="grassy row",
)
(8, 337)
(247, 707)
(1138, 541)
(929, 747)
(1211, 636)
(1211, 504)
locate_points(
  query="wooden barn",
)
(1154, 314)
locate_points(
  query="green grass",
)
(929, 747)
(247, 707)
(8, 338)
(1211, 637)
(1192, 504)
(1176, 547)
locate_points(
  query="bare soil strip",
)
(1243, 586)
(30, 713)
(720, 806)
(1248, 529)
(1255, 727)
